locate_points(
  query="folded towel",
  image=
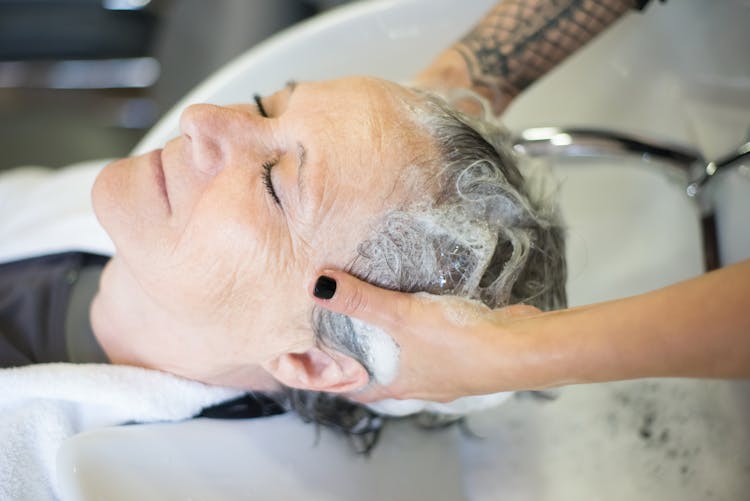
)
(42, 405)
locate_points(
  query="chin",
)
(103, 193)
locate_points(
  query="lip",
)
(159, 177)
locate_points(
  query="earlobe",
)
(319, 370)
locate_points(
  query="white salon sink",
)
(631, 229)
(274, 458)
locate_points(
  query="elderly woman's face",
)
(218, 234)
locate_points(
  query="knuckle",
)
(355, 302)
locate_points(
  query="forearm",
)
(698, 328)
(518, 42)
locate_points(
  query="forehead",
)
(360, 107)
(357, 92)
(366, 153)
(370, 133)
(359, 125)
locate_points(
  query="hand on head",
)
(444, 341)
(452, 347)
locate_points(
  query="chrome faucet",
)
(589, 142)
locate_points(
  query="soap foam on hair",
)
(381, 350)
(483, 227)
(458, 407)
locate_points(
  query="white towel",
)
(42, 405)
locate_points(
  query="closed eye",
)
(267, 166)
(259, 104)
(267, 181)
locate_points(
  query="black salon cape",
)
(34, 297)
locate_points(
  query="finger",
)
(342, 293)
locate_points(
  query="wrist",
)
(450, 71)
(447, 71)
(547, 353)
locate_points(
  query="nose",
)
(214, 134)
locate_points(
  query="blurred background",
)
(84, 79)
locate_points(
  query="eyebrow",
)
(301, 162)
(301, 150)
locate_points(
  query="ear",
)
(319, 370)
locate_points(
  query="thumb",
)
(342, 293)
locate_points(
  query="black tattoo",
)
(521, 40)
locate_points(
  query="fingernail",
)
(325, 287)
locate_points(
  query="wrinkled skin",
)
(208, 280)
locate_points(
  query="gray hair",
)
(487, 233)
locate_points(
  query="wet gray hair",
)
(486, 233)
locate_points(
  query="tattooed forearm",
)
(521, 40)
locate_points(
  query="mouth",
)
(159, 177)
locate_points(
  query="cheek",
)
(238, 306)
(224, 264)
